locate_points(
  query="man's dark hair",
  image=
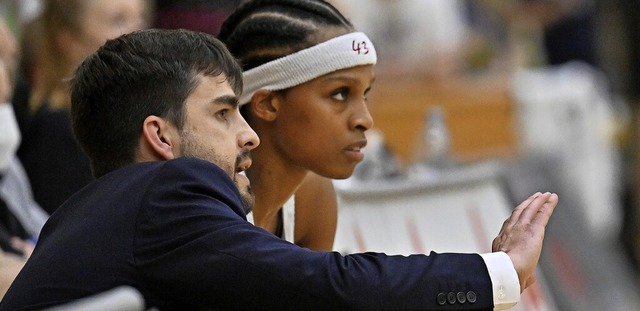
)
(147, 72)
(262, 30)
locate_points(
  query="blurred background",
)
(477, 105)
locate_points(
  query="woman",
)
(311, 121)
(70, 30)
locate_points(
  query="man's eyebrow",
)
(226, 100)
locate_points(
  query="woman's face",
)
(108, 19)
(320, 124)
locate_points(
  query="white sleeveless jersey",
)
(288, 219)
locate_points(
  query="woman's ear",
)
(160, 139)
(265, 105)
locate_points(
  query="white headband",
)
(345, 51)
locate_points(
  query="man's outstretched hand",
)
(522, 235)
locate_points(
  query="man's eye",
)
(341, 94)
(222, 114)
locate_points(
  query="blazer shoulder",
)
(198, 175)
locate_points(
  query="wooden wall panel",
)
(480, 115)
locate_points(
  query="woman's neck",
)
(273, 181)
(60, 98)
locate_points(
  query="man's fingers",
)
(515, 214)
(544, 213)
(526, 202)
(529, 212)
(536, 209)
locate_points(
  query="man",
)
(157, 114)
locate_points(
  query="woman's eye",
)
(340, 94)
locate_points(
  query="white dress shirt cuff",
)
(506, 285)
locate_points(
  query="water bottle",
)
(433, 144)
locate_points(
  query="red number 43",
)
(360, 47)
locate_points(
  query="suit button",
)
(442, 299)
(462, 298)
(451, 297)
(471, 296)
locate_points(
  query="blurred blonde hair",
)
(55, 67)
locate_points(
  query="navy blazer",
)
(177, 232)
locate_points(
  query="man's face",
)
(215, 131)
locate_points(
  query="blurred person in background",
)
(21, 219)
(440, 37)
(563, 31)
(70, 30)
(197, 15)
(413, 37)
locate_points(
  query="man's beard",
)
(248, 199)
(246, 195)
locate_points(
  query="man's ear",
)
(160, 138)
(265, 105)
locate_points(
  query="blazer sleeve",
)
(193, 244)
